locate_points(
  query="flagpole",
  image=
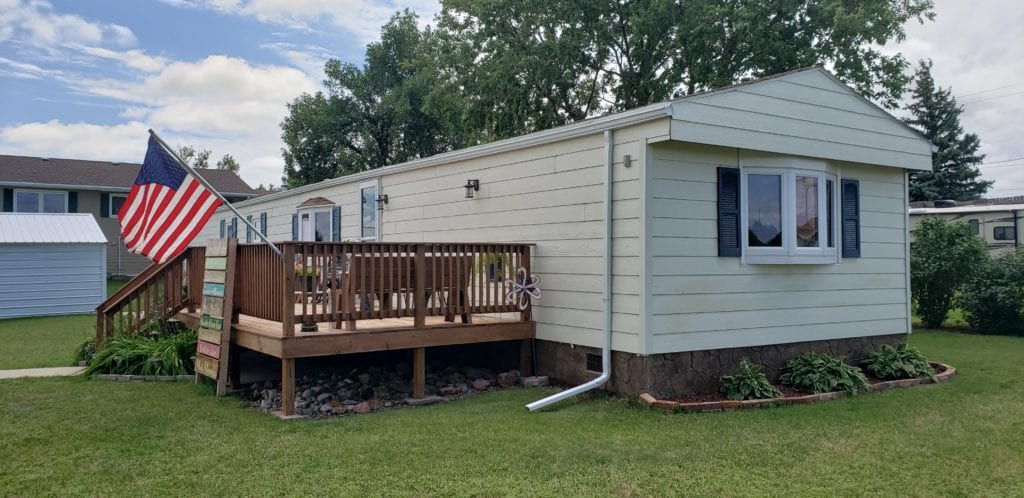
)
(209, 187)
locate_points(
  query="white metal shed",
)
(51, 264)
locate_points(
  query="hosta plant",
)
(748, 383)
(901, 362)
(820, 373)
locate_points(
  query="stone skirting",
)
(675, 375)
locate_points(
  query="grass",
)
(954, 320)
(77, 437)
(46, 341)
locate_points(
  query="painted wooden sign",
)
(214, 345)
(210, 335)
(215, 290)
(207, 366)
(217, 263)
(208, 349)
(211, 322)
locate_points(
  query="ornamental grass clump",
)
(820, 373)
(748, 383)
(901, 362)
(169, 354)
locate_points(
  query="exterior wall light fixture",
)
(381, 201)
(472, 186)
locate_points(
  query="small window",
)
(368, 211)
(975, 226)
(116, 203)
(40, 201)
(315, 224)
(1004, 233)
(789, 216)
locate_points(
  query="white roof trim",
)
(984, 208)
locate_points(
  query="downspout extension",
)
(606, 294)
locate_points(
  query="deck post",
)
(419, 373)
(288, 386)
(288, 299)
(526, 358)
(420, 291)
(526, 315)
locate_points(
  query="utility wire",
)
(990, 90)
(985, 99)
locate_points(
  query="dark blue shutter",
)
(234, 228)
(850, 215)
(295, 227)
(263, 224)
(8, 200)
(223, 228)
(336, 223)
(248, 230)
(729, 212)
(72, 202)
(104, 205)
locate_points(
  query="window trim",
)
(39, 193)
(312, 211)
(375, 185)
(789, 252)
(110, 204)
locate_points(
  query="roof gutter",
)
(606, 294)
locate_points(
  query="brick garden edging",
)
(716, 406)
(145, 378)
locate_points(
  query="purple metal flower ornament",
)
(523, 288)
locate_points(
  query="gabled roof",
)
(41, 172)
(50, 228)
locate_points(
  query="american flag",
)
(166, 208)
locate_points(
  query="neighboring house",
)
(994, 220)
(51, 264)
(760, 220)
(48, 185)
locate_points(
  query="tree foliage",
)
(494, 69)
(228, 163)
(369, 116)
(200, 159)
(936, 114)
(993, 298)
(943, 255)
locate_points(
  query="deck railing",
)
(343, 282)
(152, 296)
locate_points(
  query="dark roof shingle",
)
(99, 174)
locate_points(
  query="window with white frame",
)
(40, 201)
(789, 216)
(315, 224)
(116, 202)
(368, 210)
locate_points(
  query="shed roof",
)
(50, 228)
(99, 175)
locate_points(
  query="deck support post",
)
(419, 373)
(288, 386)
(526, 358)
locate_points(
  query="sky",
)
(87, 79)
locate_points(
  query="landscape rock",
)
(507, 379)
(363, 407)
(481, 384)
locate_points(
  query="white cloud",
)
(36, 22)
(308, 58)
(76, 140)
(977, 47)
(361, 18)
(134, 59)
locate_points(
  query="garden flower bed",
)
(943, 373)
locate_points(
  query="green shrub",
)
(85, 351)
(749, 383)
(821, 373)
(168, 354)
(901, 362)
(943, 255)
(993, 298)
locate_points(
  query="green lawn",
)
(46, 341)
(78, 437)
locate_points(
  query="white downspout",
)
(606, 294)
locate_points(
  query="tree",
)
(370, 116)
(522, 66)
(228, 163)
(993, 297)
(943, 256)
(197, 158)
(955, 174)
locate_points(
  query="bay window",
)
(788, 218)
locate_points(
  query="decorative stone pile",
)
(374, 388)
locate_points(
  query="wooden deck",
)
(385, 334)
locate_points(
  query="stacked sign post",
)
(213, 349)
